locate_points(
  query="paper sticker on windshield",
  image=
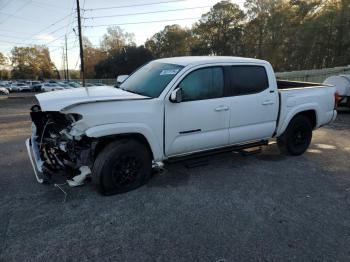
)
(169, 72)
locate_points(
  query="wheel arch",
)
(311, 112)
(108, 133)
(103, 141)
(311, 115)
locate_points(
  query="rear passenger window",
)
(248, 79)
(205, 83)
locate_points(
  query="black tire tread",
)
(282, 141)
(104, 155)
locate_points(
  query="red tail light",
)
(336, 99)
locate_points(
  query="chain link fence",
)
(315, 75)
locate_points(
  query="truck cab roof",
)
(198, 60)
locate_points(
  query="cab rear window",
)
(248, 79)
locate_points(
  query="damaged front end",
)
(53, 147)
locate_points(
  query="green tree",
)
(115, 39)
(220, 31)
(3, 59)
(124, 62)
(32, 63)
(173, 40)
(4, 74)
(74, 74)
(281, 31)
(92, 57)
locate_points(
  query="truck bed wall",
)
(286, 84)
(294, 101)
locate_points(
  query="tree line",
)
(291, 34)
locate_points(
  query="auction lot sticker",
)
(169, 72)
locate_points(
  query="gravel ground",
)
(264, 207)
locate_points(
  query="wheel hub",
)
(125, 170)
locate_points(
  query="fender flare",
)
(128, 128)
(294, 112)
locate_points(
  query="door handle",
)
(268, 102)
(221, 108)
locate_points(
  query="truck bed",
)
(297, 97)
(286, 84)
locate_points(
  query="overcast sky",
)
(24, 22)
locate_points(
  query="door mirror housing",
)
(121, 79)
(176, 96)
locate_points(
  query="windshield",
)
(151, 79)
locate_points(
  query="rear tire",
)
(297, 137)
(122, 166)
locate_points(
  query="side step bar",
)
(237, 148)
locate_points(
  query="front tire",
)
(297, 137)
(122, 166)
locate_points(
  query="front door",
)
(201, 120)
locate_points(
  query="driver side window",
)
(204, 83)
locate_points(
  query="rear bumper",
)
(35, 160)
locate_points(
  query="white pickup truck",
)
(171, 109)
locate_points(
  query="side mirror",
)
(176, 96)
(121, 79)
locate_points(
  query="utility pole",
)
(64, 64)
(82, 69)
(67, 58)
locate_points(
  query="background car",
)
(4, 91)
(6, 85)
(64, 85)
(73, 84)
(36, 86)
(47, 87)
(93, 84)
(19, 87)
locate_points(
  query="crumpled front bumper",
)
(35, 160)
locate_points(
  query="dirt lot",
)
(264, 207)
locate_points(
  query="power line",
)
(17, 32)
(73, 47)
(56, 49)
(17, 10)
(145, 22)
(71, 19)
(134, 5)
(10, 36)
(20, 38)
(2, 7)
(49, 26)
(19, 17)
(44, 29)
(58, 29)
(54, 40)
(46, 4)
(4, 44)
(11, 42)
(151, 12)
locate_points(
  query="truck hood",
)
(59, 100)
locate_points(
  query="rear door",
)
(253, 103)
(201, 120)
